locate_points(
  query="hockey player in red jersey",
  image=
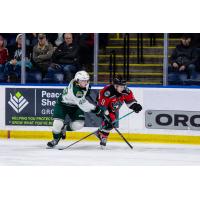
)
(110, 99)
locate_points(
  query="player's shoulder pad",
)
(109, 91)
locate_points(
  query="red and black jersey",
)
(112, 100)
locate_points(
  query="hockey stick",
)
(95, 132)
(77, 141)
(119, 131)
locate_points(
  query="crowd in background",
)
(56, 57)
(53, 57)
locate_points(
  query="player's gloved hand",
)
(99, 111)
(136, 107)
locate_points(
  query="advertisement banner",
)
(172, 119)
(34, 107)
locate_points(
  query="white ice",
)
(34, 152)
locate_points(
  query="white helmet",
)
(82, 76)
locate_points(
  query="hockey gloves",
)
(99, 111)
(136, 107)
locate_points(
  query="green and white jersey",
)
(73, 95)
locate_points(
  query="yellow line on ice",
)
(132, 137)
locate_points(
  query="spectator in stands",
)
(65, 59)
(13, 66)
(183, 61)
(3, 58)
(11, 38)
(42, 54)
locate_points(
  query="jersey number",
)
(102, 101)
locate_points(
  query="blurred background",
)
(142, 58)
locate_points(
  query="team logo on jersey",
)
(17, 102)
(107, 94)
(79, 94)
(116, 105)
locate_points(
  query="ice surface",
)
(34, 152)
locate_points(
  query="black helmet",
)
(119, 81)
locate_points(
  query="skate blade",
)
(50, 147)
(54, 147)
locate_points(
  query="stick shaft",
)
(77, 141)
(98, 130)
(118, 130)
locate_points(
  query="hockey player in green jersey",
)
(72, 102)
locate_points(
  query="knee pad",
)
(57, 125)
(76, 125)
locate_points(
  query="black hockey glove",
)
(108, 122)
(136, 107)
(99, 111)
